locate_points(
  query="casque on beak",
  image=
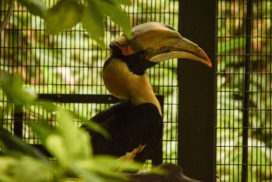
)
(159, 42)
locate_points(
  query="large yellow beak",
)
(159, 42)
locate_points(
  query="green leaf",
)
(94, 126)
(157, 170)
(7, 163)
(24, 168)
(12, 87)
(56, 147)
(15, 144)
(6, 178)
(78, 149)
(36, 7)
(31, 170)
(116, 163)
(64, 15)
(85, 175)
(92, 21)
(42, 130)
(101, 169)
(48, 105)
(116, 14)
(124, 2)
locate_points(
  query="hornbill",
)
(135, 124)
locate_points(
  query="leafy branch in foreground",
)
(67, 13)
(69, 145)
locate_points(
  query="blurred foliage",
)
(65, 14)
(57, 51)
(73, 158)
(70, 62)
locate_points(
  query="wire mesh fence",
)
(71, 63)
(244, 90)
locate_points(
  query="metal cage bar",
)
(197, 92)
(246, 92)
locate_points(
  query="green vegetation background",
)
(231, 41)
(70, 62)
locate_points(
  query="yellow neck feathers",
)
(125, 85)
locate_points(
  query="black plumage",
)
(128, 125)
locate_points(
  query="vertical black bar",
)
(197, 92)
(18, 120)
(246, 91)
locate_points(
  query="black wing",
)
(129, 126)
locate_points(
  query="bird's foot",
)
(131, 155)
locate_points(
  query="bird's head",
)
(154, 42)
(149, 44)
